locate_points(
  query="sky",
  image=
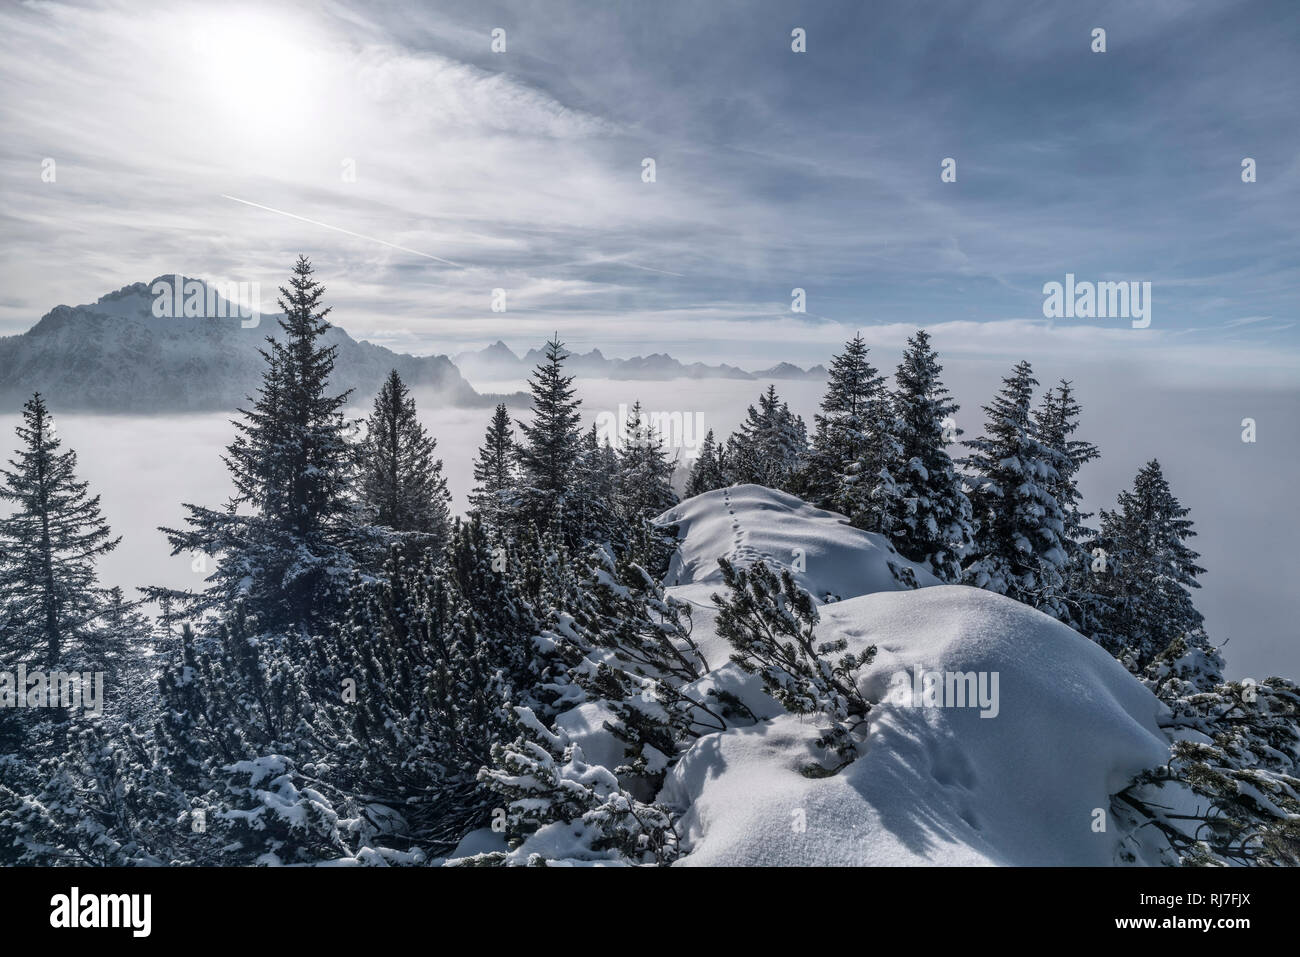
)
(421, 170)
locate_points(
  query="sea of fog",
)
(1240, 494)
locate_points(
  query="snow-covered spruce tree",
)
(597, 477)
(1057, 419)
(769, 447)
(550, 449)
(1019, 548)
(1230, 792)
(557, 806)
(1141, 600)
(593, 494)
(495, 477)
(645, 472)
(287, 557)
(642, 491)
(50, 599)
(855, 445)
(707, 473)
(770, 623)
(402, 483)
(930, 516)
(49, 544)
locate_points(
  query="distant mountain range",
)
(115, 355)
(498, 362)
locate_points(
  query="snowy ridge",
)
(1066, 727)
(935, 785)
(747, 523)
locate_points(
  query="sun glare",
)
(254, 68)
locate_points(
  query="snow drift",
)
(746, 523)
(1023, 777)
(934, 784)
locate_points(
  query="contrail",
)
(339, 229)
(665, 272)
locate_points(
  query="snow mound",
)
(749, 523)
(1067, 728)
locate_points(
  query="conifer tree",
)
(547, 785)
(771, 623)
(1143, 597)
(1057, 419)
(122, 647)
(843, 426)
(550, 446)
(708, 472)
(644, 487)
(769, 447)
(401, 482)
(429, 656)
(286, 557)
(49, 544)
(103, 802)
(1235, 758)
(930, 516)
(495, 476)
(1019, 546)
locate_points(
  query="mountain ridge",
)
(499, 361)
(118, 355)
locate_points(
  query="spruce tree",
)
(1019, 546)
(401, 482)
(770, 446)
(49, 544)
(1233, 768)
(707, 473)
(644, 485)
(495, 474)
(287, 555)
(930, 515)
(550, 446)
(1143, 598)
(1057, 419)
(843, 427)
(122, 647)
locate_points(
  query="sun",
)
(255, 68)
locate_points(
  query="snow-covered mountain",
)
(499, 362)
(115, 355)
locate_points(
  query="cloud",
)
(395, 122)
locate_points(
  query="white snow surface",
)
(933, 785)
(746, 523)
